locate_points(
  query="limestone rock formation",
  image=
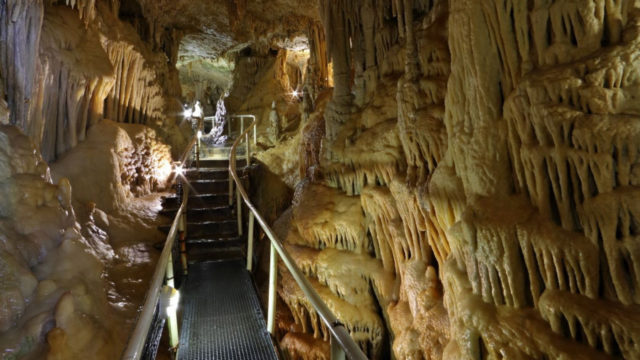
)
(81, 64)
(491, 148)
(61, 270)
(465, 173)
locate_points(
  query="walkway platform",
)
(222, 318)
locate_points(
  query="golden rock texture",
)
(491, 148)
(465, 173)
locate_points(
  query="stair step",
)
(225, 226)
(203, 215)
(201, 254)
(212, 173)
(207, 187)
(220, 163)
(198, 201)
(215, 241)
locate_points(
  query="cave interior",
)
(456, 179)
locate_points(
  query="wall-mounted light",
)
(187, 113)
(178, 169)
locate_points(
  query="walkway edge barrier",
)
(163, 271)
(339, 334)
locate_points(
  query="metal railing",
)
(241, 117)
(341, 342)
(166, 295)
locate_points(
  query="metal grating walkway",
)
(221, 317)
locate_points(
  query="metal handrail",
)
(138, 339)
(164, 266)
(339, 335)
(241, 117)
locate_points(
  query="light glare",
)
(296, 94)
(179, 170)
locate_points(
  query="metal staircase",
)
(208, 256)
(212, 226)
(221, 317)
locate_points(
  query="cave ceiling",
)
(212, 28)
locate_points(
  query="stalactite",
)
(414, 221)
(318, 61)
(421, 92)
(329, 219)
(61, 114)
(606, 326)
(384, 225)
(63, 87)
(500, 332)
(563, 100)
(20, 24)
(363, 324)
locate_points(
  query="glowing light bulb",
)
(187, 113)
(179, 170)
(199, 134)
(295, 93)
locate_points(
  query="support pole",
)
(255, 134)
(230, 189)
(198, 152)
(239, 210)
(171, 299)
(250, 242)
(273, 287)
(168, 274)
(182, 231)
(337, 353)
(248, 149)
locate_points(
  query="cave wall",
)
(545, 195)
(473, 190)
(68, 65)
(72, 276)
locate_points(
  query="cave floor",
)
(222, 318)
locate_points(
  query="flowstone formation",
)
(473, 193)
(70, 274)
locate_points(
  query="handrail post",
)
(168, 274)
(230, 189)
(248, 149)
(239, 211)
(182, 233)
(171, 300)
(337, 353)
(255, 132)
(250, 242)
(198, 151)
(273, 288)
